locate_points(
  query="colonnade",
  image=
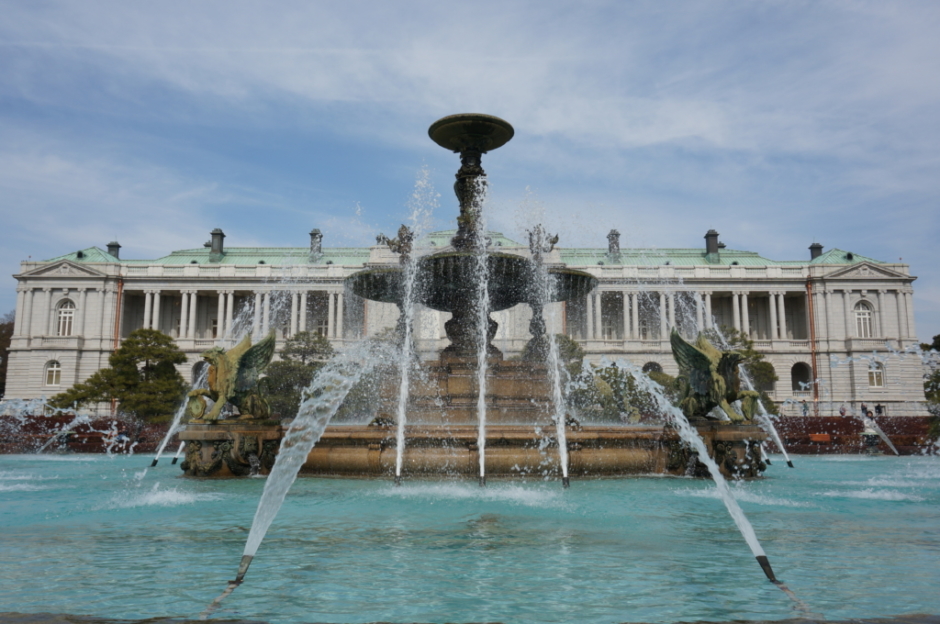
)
(261, 315)
(703, 301)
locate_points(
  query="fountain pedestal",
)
(234, 448)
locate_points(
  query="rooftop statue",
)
(233, 378)
(712, 380)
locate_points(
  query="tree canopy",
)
(284, 382)
(6, 337)
(142, 376)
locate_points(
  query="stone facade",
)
(845, 316)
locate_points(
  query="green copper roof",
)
(92, 254)
(352, 256)
(837, 256)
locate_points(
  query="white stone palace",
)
(835, 316)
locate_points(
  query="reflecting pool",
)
(852, 536)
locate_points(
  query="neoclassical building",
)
(837, 317)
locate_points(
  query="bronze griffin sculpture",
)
(711, 380)
(233, 378)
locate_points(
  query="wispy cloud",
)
(775, 122)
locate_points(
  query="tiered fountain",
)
(471, 400)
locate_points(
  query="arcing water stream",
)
(321, 401)
(423, 201)
(483, 323)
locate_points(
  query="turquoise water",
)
(852, 536)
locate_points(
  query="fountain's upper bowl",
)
(475, 131)
(447, 281)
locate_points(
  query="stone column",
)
(331, 315)
(881, 314)
(155, 324)
(589, 316)
(626, 316)
(340, 330)
(709, 317)
(256, 317)
(303, 311)
(193, 306)
(909, 304)
(847, 308)
(663, 330)
(266, 322)
(293, 313)
(671, 302)
(634, 316)
(827, 301)
(102, 309)
(699, 312)
(745, 316)
(47, 311)
(184, 314)
(20, 309)
(80, 312)
(148, 307)
(736, 311)
(229, 311)
(783, 316)
(220, 313)
(29, 296)
(774, 331)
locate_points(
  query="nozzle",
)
(154, 462)
(482, 481)
(565, 482)
(173, 463)
(243, 568)
(790, 464)
(397, 479)
(767, 460)
(765, 566)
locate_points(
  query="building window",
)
(66, 317)
(876, 375)
(863, 314)
(801, 376)
(53, 373)
(323, 327)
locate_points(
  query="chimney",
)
(711, 246)
(613, 244)
(815, 250)
(316, 244)
(216, 248)
(114, 248)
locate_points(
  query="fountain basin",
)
(446, 282)
(520, 450)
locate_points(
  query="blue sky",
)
(776, 123)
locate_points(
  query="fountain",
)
(612, 550)
(472, 411)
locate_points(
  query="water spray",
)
(179, 452)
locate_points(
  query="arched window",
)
(863, 314)
(66, 318)
(801, 376)
(876, 375)
(53, 373)
(652, 367)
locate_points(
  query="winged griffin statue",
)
(233, 378)
(713, 380)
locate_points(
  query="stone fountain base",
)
(236, 448)
(516, 450)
